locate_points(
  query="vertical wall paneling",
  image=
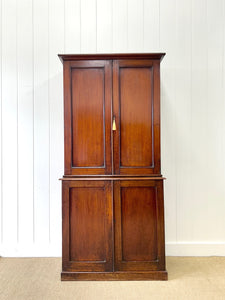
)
(151, 28)
(135, 25)
(33, 32)
(223, 81)
(25, 121)
(168, 113)
(183, 131)
(9, 122)
(215, 120)
(199, 191)
(72, 25)
(104, 26)
(56, 45)
(88, 26)
(1, 200)
(41, 121)
(120, 25)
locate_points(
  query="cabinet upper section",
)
(112, 114)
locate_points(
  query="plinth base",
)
(153, 275)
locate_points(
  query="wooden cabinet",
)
(112, 196)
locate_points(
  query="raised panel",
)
(87, 226)
(88, 117)
(136, 117)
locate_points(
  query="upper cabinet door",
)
(87, 117)
(136, 111)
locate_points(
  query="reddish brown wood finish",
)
(115, 177)
(135, 117)
(112, 208)
(111, 56)
(94, 276)
(136, 109)
(139, 239)
(87, 226)
(87, 117)
(138, 223)
(87, 222)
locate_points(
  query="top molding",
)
(66, 57)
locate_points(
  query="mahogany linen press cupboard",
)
(112, 188)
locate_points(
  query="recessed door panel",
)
(138, 217)
(136, 117)
(87, 221)
(88, 124)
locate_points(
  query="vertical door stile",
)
(116, 115)
(113, 225)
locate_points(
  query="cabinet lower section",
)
(113, 230)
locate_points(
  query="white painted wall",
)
(192, 33)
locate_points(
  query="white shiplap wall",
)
(192, 33)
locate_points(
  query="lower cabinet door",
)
(139, 225)
(87, 226)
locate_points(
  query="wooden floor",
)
(199, 278)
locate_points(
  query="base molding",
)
(151, 275)
(188, 248)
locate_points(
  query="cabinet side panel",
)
(136, 142)
(88, 117)
(138, 219)
(87, 223)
